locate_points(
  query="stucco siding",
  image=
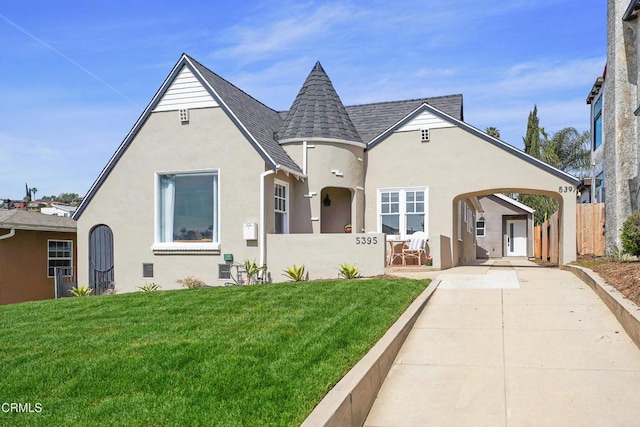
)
(323, 254)
(329, 165)
(455, 163)
(126, 200)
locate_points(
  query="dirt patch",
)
(622, 275)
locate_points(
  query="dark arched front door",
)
(101, 259)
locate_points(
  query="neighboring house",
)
(617, 97)
(32, 245)
(59, 210)
(504, 228)
(583, 191)
(209, 173)
(595, 101)
(36, 205)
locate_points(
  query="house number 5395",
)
(566, 189)
(366, 240)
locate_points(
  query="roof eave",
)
(478, 133)
(632, 11)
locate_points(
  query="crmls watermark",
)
(28, 408)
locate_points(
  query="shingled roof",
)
(259, 120)
(23, 220)
(318, 112)
(373, 119)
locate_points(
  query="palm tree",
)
(33, 192)
(568, 150)
(493, 131)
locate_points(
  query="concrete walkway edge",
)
(625, 311)
(348, 403)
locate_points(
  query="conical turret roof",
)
(318, 112)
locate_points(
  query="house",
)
(208, 174)
(504, 228)
(59, 210)
(583, 191)
(32, 245)
(615, 107)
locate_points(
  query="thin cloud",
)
(302, 25)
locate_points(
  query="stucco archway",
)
(458, 249)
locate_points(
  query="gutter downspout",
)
(9, 234)
(304, 157)
(262, 236)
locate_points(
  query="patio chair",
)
(416, 248)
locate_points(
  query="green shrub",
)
(348, 271)
(81, 291)
(252, 271)
(191, 282)
(630, 234)
(149, 287)
(295, 273)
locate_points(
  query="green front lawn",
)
(258, 355)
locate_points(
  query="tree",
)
(532, 138)
(33, 192)
(569, 151)
(493, 131)
(544, 206)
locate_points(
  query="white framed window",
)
(402, 211)
(187, 210)
(481, 227)
(281, 206)
(60, 254)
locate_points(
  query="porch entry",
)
(516, 237)
(335, 210)
(101, 272)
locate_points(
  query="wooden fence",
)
(547, 240)
(589, 233)
(590, 229)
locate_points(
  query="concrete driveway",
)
(509, 343)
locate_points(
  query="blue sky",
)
(76, 76)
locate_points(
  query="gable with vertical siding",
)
(425, 120)
(186, 91)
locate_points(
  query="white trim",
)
(514, 202)
(49, 258)
(402, 211)
(484, 229)
(329, 140)
(425, 120)
(286, 205)
(158, 245)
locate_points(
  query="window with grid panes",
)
(60, 254)
(280, 203)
